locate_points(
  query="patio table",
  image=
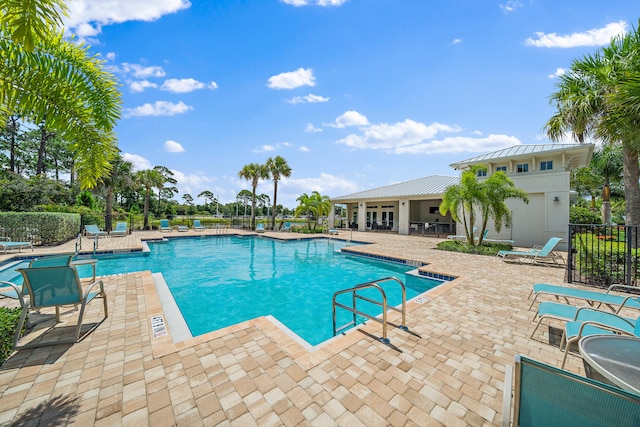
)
(616, 358)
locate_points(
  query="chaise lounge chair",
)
(260, 228)
(56, 287)
(461, 237)
(614, 301)
(286, 227)
(543, 255)
(183, 228)
(164, 225)
(595, 322)
(121, 229)
(92, 230)
(197, 226)
(8, 245)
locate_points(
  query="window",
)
(482, 172)
(523, 167)
(546, 166)
(501, 169)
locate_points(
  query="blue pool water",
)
(220, 281)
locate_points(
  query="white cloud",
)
(325, 184)
(185, 85)
(456, 41)
(159, 108)
(460, 144)
(293, 79)
(86, 17)
(558, 73)
(314, 2)
(311, 98)
(193, 184)
(266, 147)
(173, 147)
(139, 163)
(305, 149)
(350, 118)
(393, 137)
(110, 56)
(595, 37)
(311, 128)
(142, 72)
(141, 85)
(510, 6)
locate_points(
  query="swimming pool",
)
(219, 281)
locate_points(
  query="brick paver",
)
(448, 369)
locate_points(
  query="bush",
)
(8, 322)
(578, 215)
(491, 249)
(47, 228)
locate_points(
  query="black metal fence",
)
(601, 255)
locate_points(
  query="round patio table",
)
(90, 261)
(615, 357)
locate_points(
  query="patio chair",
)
(164, 225)
(197, 226)
(260, 228)
(92, 230)
(121, 229)
(544, 395)
(544, 255)
(461, 237)
(589, 321)
(486, 239)
(287, 226)
(55, 287)
(615, 302)
(7, 245)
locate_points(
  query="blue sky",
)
(354, 94)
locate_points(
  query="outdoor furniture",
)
(260, 228)
(612, 358)
(8, 245)
(595, 322)
(121, 229)
(92, 230)
(183, 228)
(614, 301)
(544, 255)
(56, 287)
(460, 237)
(537, 394)
(164, 225)
(197, 226)
(333, 232)
(287, 226)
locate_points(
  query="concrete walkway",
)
(447, 370)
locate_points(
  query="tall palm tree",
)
(253, 172)
(495, 190)
(606, 167)
(461, 200)
(278, 169)
(313, 206)
(594, 99)
(47, 79)
(148, 179)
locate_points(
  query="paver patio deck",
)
(447, 370)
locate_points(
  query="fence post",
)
(570, 256)
(629, 238)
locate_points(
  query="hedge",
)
(45, 228)
(8, 322)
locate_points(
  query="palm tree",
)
(485, 198)
(253, 172)
(148, 179)
(46, 79)
(278, 169)
(606, 167)
(595, 99)
(313, 206)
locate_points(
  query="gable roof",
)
(430, 185)
(527, 150)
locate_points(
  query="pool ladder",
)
(353, 309)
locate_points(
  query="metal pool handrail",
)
(354, 296)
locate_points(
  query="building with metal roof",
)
(542, 170)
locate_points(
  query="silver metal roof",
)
(430, 185)
(523, 150)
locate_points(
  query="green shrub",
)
(8, 322)
(603, 264)
(46, 228)
(486, 248)
(578, 215)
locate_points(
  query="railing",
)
(355, 297)
(601, 255)
(78, 243)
